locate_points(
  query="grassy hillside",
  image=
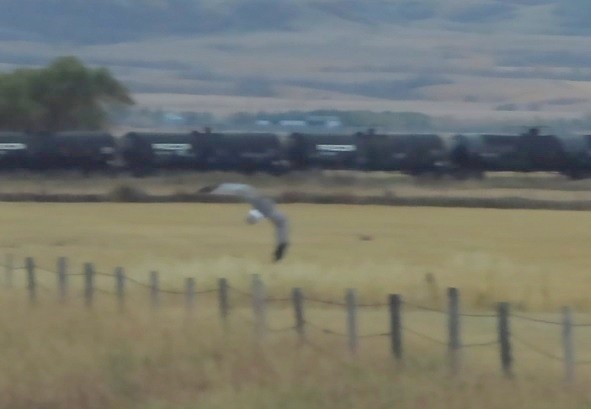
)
(116, 20)
(476, 59)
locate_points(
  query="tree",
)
(65, 95)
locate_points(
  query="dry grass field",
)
(536, 258)
(501, 185)
(58, 356)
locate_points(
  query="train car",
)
(323, 151)
(530, 151)
(577, 149)
(243, 151)
(145, 152)
(409, 153)
(487, 152)
(82, 150)
(15, 150)
(543, 152)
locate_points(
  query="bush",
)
(127, 193)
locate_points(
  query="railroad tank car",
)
(577, 148)
(529, 151)
(410, 153)
(323, 151)
(475, 153)
(145, 152)
(82, 150)
(243, 151)
(15, 150)
(543, 152)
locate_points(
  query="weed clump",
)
(126, 193)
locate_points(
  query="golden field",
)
(68, 356)
(536, 258)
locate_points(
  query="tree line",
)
(65, 95)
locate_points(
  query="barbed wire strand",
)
(375, 335)
(343, 334)
(424, 336)
(536, 349)
(328, 302)
(423, 308)
(132, 280)
(532, 319)
(479, 344)
(207, 291)
(478, 315)
(311, 299)
(323, 329)
(45, 270)
(239, 291)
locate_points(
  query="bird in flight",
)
(262, 207)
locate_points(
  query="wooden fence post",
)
(31, 281)
(259, 307)
(9, 271)
(395, 306)
(568, 345)
(190, 293)
(505, 339)
(88, 284)
(154, 290)
(351, 303)
(62, 279)
(223, 301)
(120, 287)
(298, 306)
(454, 343)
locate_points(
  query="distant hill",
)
(464, 58)
(108, 21)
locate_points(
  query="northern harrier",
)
(262, 207)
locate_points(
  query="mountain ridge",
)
(109, 21)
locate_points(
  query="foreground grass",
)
(68, 357)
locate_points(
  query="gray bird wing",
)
(242, 190)
(263, 204)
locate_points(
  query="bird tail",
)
(280, 251)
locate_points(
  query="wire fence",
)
(504, 340)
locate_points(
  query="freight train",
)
(143, 153)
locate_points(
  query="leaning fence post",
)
(395, 306)
(88, 283)
(62, 283)
(9, 270)
(567, 339)
(454, 343)
(504, 338)
(223, 300)
(120, 287)
(298, 306)
(190, 293)
(259, 307)
(31, 283)
(351, 303)
(154, 289)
